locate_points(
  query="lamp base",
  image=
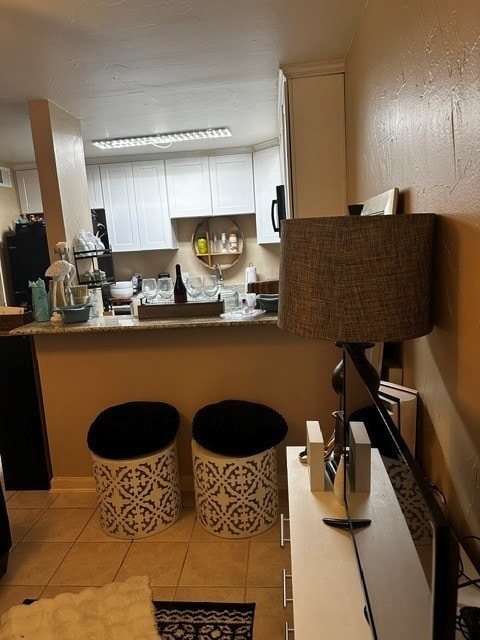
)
(370, 377)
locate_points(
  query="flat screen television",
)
(431, 534)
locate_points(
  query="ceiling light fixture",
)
(162, 138)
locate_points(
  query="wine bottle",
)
(179, 290)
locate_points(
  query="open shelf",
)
(100, 260)
(217, 225)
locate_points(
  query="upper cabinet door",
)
(316, 122)
(231, 179)
(188, 187)
(28, 186)
(154, 225)
(95, 194)
(266, 165)
(120, 210)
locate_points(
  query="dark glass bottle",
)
(179, 290)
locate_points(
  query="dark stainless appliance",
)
(28, 259)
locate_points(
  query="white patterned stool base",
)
(138, 497)
(235, 497)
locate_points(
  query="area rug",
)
(204, 620)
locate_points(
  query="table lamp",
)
(356, 280)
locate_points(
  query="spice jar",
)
(232, 242)
(202, 245)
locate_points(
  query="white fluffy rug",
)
(117, 611)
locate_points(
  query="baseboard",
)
(72, 484)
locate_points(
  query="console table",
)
(328, 599)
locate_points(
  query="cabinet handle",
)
(288, 630)
(282, 530)
(276, 227)
(284, 584)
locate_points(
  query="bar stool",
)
(133, 448)
(235, 467)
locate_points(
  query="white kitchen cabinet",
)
(266, 168)
(210, 186)
(120, 208)
(188, 187)
(135, 206)
(231, 183)
(312, 138)
(28, 186)
(94, 182)
(155, 228)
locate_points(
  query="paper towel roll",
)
(250, 276)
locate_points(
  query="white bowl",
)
(121, 290)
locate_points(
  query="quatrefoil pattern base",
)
(235, 497)
(139, 497)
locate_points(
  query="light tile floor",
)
(58, 546)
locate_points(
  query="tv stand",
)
(328, 598)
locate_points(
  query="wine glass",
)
(194, 286)
(149, 289)
(165, 288)
(210, 286)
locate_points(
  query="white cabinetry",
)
(28, 186)
(266, 168)
(188, 186)
(231, 182)
(120, 209)
(154, 225)
(328, 600)
(135, 206)
(213, 186)
(94, 182)
(312, 136)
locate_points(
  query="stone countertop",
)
(131, 323)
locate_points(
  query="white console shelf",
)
(328, 599)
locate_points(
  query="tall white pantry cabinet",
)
(311, 128)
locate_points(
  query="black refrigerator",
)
(28, 259)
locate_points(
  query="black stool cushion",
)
(238, 427)
(133, 429)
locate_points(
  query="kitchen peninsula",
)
(190, 362)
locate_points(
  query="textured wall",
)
(60, 160)
(413, 121)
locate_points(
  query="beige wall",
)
(9, 214)
(82, 374)
(413, 121)
(151, 263)
(60, 160)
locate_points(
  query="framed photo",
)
(383, 204)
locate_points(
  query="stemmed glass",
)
(149, 289)
(194, 286)
(210, 286)
(165, 288)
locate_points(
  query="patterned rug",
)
(204, 620)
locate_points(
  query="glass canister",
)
(202, 245)
(231, 299)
